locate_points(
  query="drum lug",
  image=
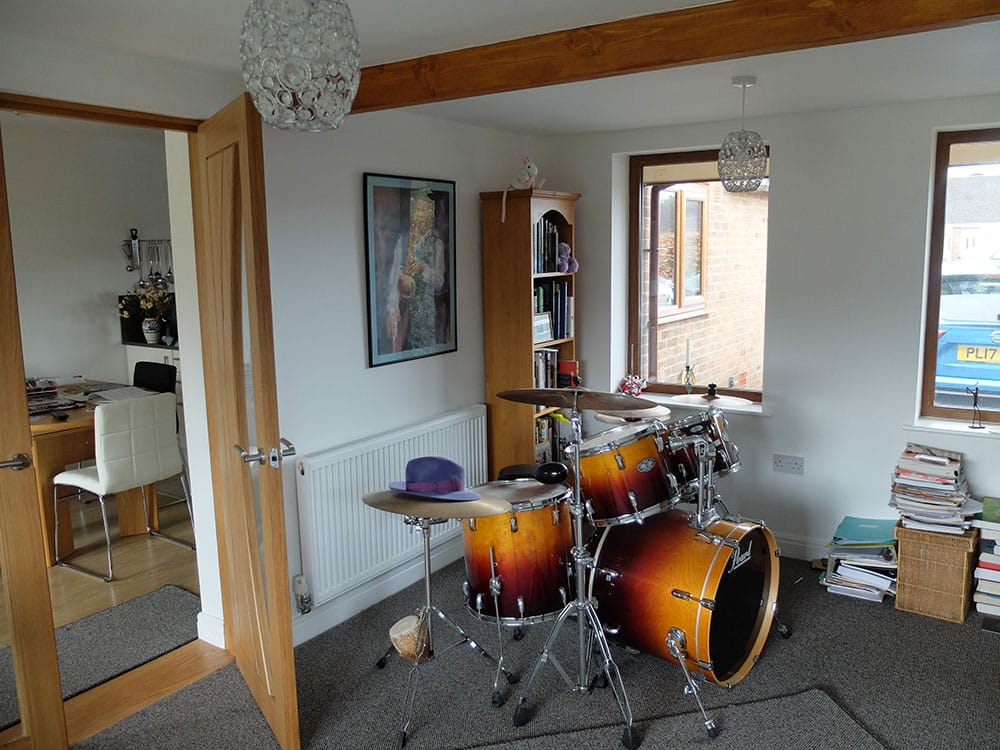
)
(520, 606)
(555, 516)
(472, 524)
(495, 586)
(479, 603)
(620, 461)
(513, 523)
(706, 603)
(562, 595)
(466, 589)
(612, 630)
(716, 540)
(589, 506)
(608, 573)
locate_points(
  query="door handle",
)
(16, 462)
(250, 457)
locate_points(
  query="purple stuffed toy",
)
(566, 263)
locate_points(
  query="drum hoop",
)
(628, 518)
(511, 622)
(534, 503)
(634, 437)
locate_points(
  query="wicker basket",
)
(935, 572)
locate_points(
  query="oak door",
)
(234, 298)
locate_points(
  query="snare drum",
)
(683, 462)
(624, 476)
(717, 585)
(523, 555)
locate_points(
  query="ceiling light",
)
(301, 61)
(743, 156)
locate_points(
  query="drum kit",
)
(636, 530)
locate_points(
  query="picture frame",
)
(541, 324)
(410, 267)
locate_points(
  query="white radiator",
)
(346, 543)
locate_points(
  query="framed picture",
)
(410, 262)
(542, 327)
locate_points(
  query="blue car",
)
(968, 349)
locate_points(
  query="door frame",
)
(186, 664)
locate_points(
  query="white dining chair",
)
(135, 444)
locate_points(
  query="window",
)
(962, 334)
(697, 273)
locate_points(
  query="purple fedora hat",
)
(435, 478)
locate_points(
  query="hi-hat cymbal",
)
(568, 398)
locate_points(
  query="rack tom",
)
(624, 476)
(682, 461)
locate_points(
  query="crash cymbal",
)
(631, 415)
(423, 507)
(567, 398)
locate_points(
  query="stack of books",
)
(930, 492)
(987, 572)
(862, 560)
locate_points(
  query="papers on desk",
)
(120, 394)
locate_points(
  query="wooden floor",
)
(141, 564)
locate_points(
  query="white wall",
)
(74, 192)
(327, 394)
(847, 245)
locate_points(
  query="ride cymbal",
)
(580, 398)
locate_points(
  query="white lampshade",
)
(301, 61)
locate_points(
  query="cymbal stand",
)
(426, 614)
(583, 609)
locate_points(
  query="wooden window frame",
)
(942, 158)
(638, 163)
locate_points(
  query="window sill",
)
(953, 427)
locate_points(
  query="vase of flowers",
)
(150, 304)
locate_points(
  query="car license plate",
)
(968, 353)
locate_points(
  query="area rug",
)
(108, 643)
(803, 721)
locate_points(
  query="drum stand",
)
(426, 617)
(583, 609)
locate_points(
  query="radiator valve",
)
(303, 598)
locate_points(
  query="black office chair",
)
(155, 376)
(162, 378)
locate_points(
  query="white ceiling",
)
(205, 35)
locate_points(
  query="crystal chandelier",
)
(743, 156)
(301, 61)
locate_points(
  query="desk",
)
(53, 446)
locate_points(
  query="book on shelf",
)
(988, 609)
(988, 587)
(986, 597)
(870, 531)
(989, 516)
(927, 460)
(856, 592)
(986, 574)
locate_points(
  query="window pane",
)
(700, 286)
(692, 247)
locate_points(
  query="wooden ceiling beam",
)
(707, 33)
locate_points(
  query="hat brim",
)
(459, 496)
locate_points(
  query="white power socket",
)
(789, 464)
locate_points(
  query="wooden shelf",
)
(508, 232)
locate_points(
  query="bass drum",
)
(718, 586)
(523, 555)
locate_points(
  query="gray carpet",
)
(98, 647)
(908, 682)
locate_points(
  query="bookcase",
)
(520, 236)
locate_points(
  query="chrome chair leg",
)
(153, 532)
(107, 539)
